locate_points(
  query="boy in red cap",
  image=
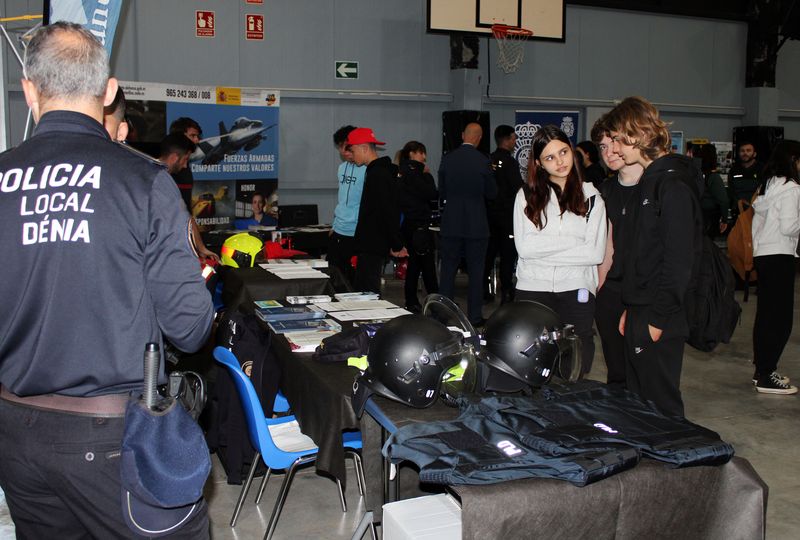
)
(378, 229)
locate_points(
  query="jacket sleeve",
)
(181, 301)
(531, 242)
(389, 194)
(787, 207)
(592, 249)
(442, 181)
(676, 227)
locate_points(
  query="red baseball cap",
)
(362, 136)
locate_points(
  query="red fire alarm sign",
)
(205, 22)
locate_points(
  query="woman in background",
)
(416, 189)
(560, 234)
(776, 224)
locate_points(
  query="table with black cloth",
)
(241, 286)
(698, 502)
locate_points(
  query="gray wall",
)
(692, 68)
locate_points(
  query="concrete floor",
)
(718, 394)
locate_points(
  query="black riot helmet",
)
(524, 344)
(407, 358)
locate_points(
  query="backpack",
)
(711, 308)
(740, 244)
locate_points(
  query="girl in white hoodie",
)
(776, 224)
(560, 235)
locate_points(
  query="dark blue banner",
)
(528, 122)
(100, 17)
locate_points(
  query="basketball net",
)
(510, 46)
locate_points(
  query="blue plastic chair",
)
(266, 434)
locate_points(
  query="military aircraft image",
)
(244, 134)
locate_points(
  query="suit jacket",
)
(466, 180)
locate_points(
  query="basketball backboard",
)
(546, 18)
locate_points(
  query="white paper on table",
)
(299, 272)
(368, 314)
(356, 305)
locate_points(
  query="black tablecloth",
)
(241, 286)
(320, 399)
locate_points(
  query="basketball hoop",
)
(510, 44)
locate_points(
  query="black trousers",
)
(502, 245)
(424, 264)
(60, 475)
(340, 250)
(774, 310)
(451, 249)
(608, 310)
(653, 369)
(570, 311)
(369, 270)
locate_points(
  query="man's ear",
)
(31, 97)
(122, 131)
(111, 91)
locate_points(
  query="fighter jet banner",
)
(527, 123)
(237, 155)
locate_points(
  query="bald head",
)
(472, 134)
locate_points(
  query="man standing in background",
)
(466, 181)
(341, 247)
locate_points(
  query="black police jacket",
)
(98, 262)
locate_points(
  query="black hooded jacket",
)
(665, 245)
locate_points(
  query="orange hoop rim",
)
(504, 30)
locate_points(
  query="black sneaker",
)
(782, 378)
(772, 384)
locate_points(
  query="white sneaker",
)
(774, 385)
(784, 379)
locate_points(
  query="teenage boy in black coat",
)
(663, 251)
(378, 229)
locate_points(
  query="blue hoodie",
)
(351, 183)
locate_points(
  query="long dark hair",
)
(782, 162)
(538, 186)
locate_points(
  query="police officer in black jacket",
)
(98, 262)
(501, 211)
(663, 251)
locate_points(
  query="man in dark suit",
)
(466, 180)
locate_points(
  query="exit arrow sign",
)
(346, 69)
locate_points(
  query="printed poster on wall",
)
(527, 123)
(237, 156)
